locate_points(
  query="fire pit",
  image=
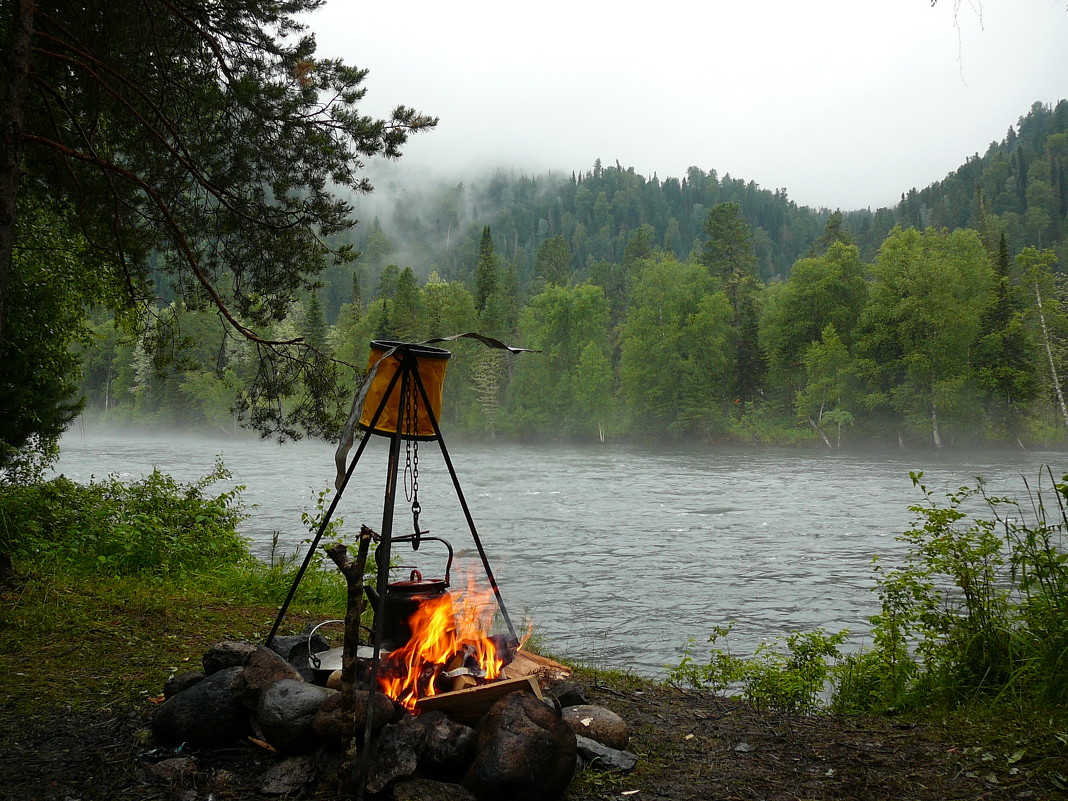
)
(423, 646)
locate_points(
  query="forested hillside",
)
(698, 306)
(1021, 180)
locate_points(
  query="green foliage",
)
(153, 526)
(553, 261)
(976, 612)
(945, 340)
(789, 674)
(47, 288)
(829, 289)
(486, 271)
(978, 609)
(550, 391)
(674, 368)
(914, 345)
(199, 150)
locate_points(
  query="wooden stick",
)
(353, 571)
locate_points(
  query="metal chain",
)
(411, 460)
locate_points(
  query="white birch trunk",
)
(819, 431)
(935, 435)
(1049, 355)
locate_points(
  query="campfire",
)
(449, 649)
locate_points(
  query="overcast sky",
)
(844, 103)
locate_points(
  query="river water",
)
(617, 554)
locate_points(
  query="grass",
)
(96, 643)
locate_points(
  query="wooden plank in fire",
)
(526, 663)
(467, 706)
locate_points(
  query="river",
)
(617, 554)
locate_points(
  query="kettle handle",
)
(421, 538)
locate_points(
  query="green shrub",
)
(977, 609)
(787, 674)
(976, 612)
(154, 526)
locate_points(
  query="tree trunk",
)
(353, 571)
(819, 431)
(935, 435)
(12, 121)
(1049, 355)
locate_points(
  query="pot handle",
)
(313, 660)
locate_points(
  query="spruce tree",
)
(728, 255)
(486, 274)
(1006, 353)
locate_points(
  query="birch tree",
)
(1036, 269)
(914, 349)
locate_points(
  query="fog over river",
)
(618, 554)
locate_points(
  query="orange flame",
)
(447, 635)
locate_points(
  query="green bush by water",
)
(154, 526)
(153, 529)
(976, 612)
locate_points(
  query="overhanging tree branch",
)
(194, 142)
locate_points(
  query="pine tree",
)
(313, 326)
(728, 254)
(832, 232)
(486, 274)
(1006, 354)
(195, 145)
(553, 261)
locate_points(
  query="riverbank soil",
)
(694, 746)
(79, 670)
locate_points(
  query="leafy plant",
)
(153, 526)
(787, 674)
(978, 608)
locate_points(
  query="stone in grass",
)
(286, 714)
(181, 681)
(264, 668)
(568, 694)
(597, 723)
(525, 752)
(295, 648)
(601, 757)
(204, 715)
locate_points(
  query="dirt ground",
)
(698, 746)
(690, 745)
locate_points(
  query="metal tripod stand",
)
(410, 385)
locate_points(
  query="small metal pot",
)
(324, 663)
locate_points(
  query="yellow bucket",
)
(430, 364)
